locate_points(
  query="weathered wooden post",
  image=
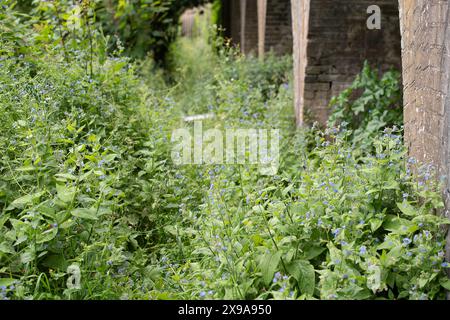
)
(262, 12)
(243, 17)
(425, 29)
(187, 23)
(300, 16)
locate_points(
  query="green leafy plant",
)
(369, 105)
(87, 181)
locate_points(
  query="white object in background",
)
(199, 117)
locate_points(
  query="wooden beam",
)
(243, 22)
(262, 14)
(300, 22)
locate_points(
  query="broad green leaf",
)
(26, 257)
(21, 202)
(268, 266)
(6, 282)
(55, 261)
(312, 252)
(303, 272)
(374, 281)
(65, 194)
(47, 235)
(83, 213)
(407, 209)
(65, 176)
(445, 284)
(375, 224)
(6, 247)
(400, 226)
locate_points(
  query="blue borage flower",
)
(362, 250)
(336, 232)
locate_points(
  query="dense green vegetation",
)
(87, 180)
(142, 26)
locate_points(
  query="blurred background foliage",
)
(142, 26)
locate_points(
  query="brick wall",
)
(278, 25)
(339, 41)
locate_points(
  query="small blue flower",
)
(101, 163)
(445, 265)
(336, 232)
(362, 250)
(202, 294)
(407, 241)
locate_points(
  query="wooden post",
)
(243, 18)
(300, 21)
(426, 91)
(262, 13)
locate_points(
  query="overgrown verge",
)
(87, 181)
